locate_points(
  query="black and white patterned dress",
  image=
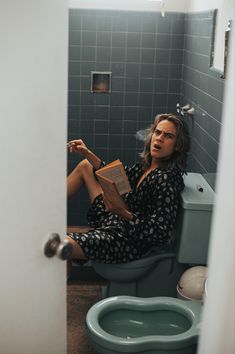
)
(154, 206)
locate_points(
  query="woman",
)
(121, 235)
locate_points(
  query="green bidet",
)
(157, 325)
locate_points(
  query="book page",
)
(116, 172)
(110, 189)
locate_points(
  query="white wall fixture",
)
(185, 110)
(224, 14)
(226, 47)
(162, 6)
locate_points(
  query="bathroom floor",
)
(81, 295)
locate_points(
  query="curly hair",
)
(179, 157)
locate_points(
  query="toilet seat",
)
(190, 310)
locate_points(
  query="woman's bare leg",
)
(77, 253)
(79, 229)
(83, 174)
(77, 250)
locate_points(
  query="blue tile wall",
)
(144, 53)
(156, 62)
(203, 88)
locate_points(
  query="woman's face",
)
(163, 141)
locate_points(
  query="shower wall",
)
(144, 52)
(156, 62)
(203, 88)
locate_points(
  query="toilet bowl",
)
(159, 325)
(130, 278)
(147, 277)
(125, 272)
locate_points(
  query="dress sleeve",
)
(156, 225)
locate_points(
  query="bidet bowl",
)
(126, 324)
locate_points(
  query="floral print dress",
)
(153, 205)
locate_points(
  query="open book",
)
(114, 181)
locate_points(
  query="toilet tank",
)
(194, 220)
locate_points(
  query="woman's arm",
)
(117, 209)
(79, 147)
(133, 174)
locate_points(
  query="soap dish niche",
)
(101, 81)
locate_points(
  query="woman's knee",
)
(84, 166)
(77, 250)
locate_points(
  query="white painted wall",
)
(134, 5)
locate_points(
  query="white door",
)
(33, 100)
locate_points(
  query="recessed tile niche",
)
(100, 81)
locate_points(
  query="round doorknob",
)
(54, 246)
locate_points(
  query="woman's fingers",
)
(77, 146)
(75, 143)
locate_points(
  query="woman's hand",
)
(78, 146)
(121, 210)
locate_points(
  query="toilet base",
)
(160, 281)
(114, 289)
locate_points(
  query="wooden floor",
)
(81, 295)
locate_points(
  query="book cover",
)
(116, 173)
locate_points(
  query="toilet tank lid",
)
(197, 194)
